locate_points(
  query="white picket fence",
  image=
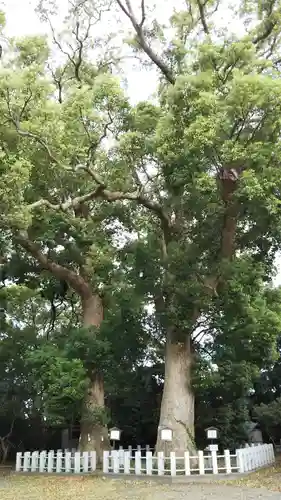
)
(124, 462)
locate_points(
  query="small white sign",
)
(166, 434)
(115, 435)
(213, 447)
(212, 433)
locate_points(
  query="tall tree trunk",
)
(177, 406)
(94, 433)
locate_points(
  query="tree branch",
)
(138, 27)
(78, 284)
(203, 16)
(269, 23)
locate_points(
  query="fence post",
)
(42, 461)
(93, 461)
(85, 462)
(147, 447)
(186, 463)
(127, 462)
(240, 460)
(138, 462)
(214, 462)
(105, 465)
(272, 453)
(50, 461)
(160, 463)
(26, 461)
(121, 457)
(34, 461)
(59, 461)
(227, 462)
(18, 461)
(77, 462)
(67, 461)
(148, 462)
(115, 456)
(173, 463)
(138, 447)
(201, 462)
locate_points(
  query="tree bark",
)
(93, 433)
(177, 406)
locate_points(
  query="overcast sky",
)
(23, 20)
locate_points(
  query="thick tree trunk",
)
(177, 407)
(94, 434)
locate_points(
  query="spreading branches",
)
(74, 280)
(15, 119)
(138, 27)
(76, 57)
(100, 189)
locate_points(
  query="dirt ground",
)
(87, 488)
(264, 484)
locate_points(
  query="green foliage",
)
(60, 383)
(269, 415)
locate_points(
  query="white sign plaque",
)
(166, 434)
(212, 433)
(115, 434)
(213, 447)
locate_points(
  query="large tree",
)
(52, 129)
(212, 154)
(200, 170)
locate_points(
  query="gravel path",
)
(217, 492)
(36, 488)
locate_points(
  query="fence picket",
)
(50, 461)
(201, 462)
(173, 463)
(148, 461)
(93, 460)
(187, 463)
(240, 461)
(59, 461)
(77, 462)
(105, 466)
(34, 461)
(160, 463)
(42, 461)
(26, 461)
(67, 461)
(127, 462)
(19, 458)
(214, 462)
(227, 462)
(138, 462)
(116, 466)
(85, 461)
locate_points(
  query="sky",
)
(141, 84)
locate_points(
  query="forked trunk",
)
(177, 406)
(94, 434)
